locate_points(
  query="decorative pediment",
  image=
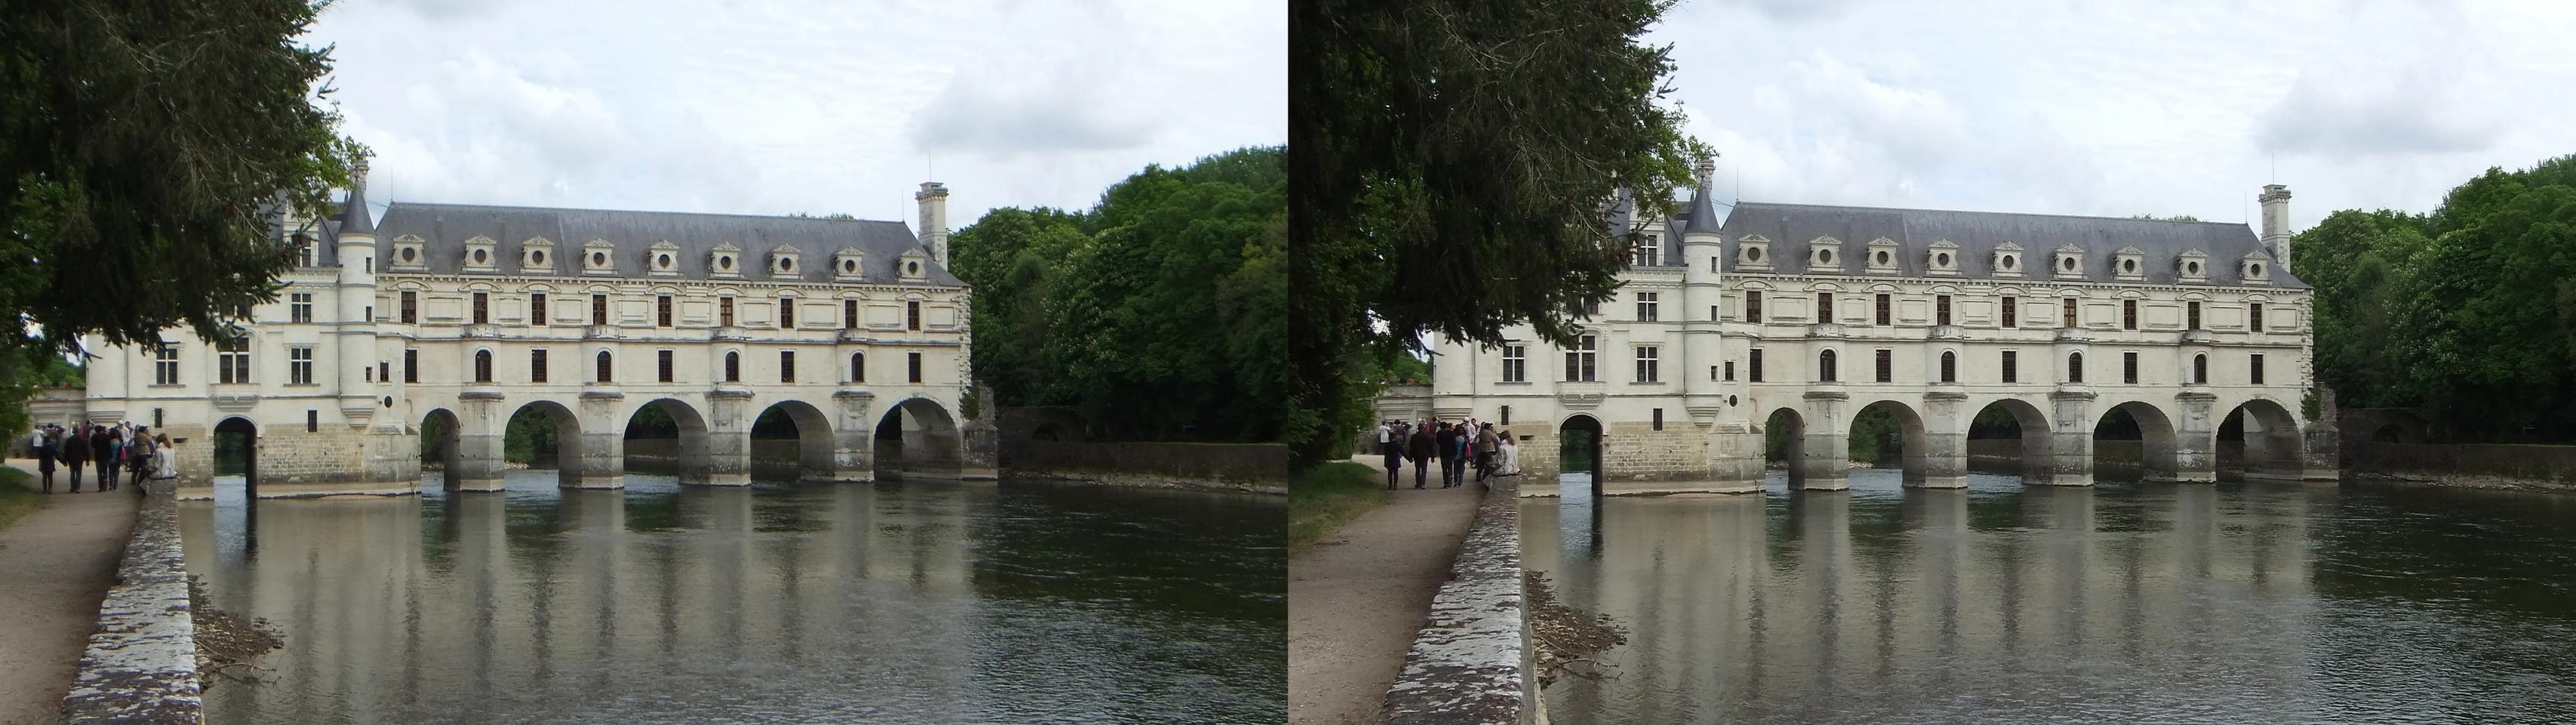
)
(478, 253)
(725, 260)
(2192, 265)
(1882, 256)
(662, 259)
(2067, 261)
(848, 264)
(2007, 260)
(783, 261)
(913, 265)
(598, 257)
(537, 256)
(1824, 254)
(2255, 268)
(407, 251)
(2129, 263)
(1941, 257)
(1753, 251)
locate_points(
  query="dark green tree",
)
(143, 148)
(1454, 160)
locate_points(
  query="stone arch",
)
(2155, 451)
(2017, 439)
(1913, 446)
(917, 438)
(680, 448)
(799, 439)
(442, 439)
(2260, 438)
(1784, 442)
(2390, 433)
(1579, 448)
(238, 433)
(567, 438)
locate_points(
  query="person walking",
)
(1485, 445)
(1386, 446)
(138, 457)
(102, 450)
(1421, 445)
(76, 453)
(46, 442)
(1448, 438)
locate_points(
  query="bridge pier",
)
(481, 424)
(728, 450)
(2070, 446)
(1942, 459)
(1823, 458)
(2195, 453)
(602, 459)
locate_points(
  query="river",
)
(2123, 602)
(777, 603)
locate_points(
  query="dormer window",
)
(1823, 255)
(596, 257)
(478, 254)
(2192, 266)
(725, 261)
(1882, 256)
(2068, 262)
(1649, 251)
(912, 266)
(782, 261)
(1942, 258)
(2255, 269)
(662, 259)
(536, 256)
(1753, 252)
(848, 265)
(2129, 264)
(407, 252)
(2007, 260)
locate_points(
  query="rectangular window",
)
(1649, 364)
(165, 365)
(2254, 319)
(2012, 312)
(299, 307)
(1659, 419)
(482, 308)
(1753, 305)
(787, 313)
(1648, 252)
(410, 307)
(787, 366)
(1712, 313)
(2200, 369)
(1886, 365)
(537, 365)
(607, 364)
(1515, 364)
(2012, 366)
(537, 309)
(733, 367)
(1591, 308)
(1507, 415)
(1949, 367)
(849, 314)
(1941, 310)
(2129, 368)
(2069, 304)
(1824, 307)
(662, 311)
(2128, 314)
(1753, 366)
(1646, 306)
(299, 365)
(312, 420)
(1730, 370)
(2258, 369)
(724, 312)
(411, 365)
(1886, 310)
(599, 309)
(232, 361)
(662, 365)
(156, 418)
(912, 360)
(1578, 361)
(912, 314)
(384, 371)
(370, 313)
(371, 269)
(2191, 315)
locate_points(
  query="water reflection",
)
(2125, 602)
(776, 603)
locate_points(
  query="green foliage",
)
(1452, 161)
(16, 499)
(530, 438)
(1327, 496)
(26, 369)
(774, 423)
(1160, 313)
(1877, 436)
(2468, 313)
(433, 438)
(2174, 218)
(652, 421)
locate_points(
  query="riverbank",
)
(1358, 596)
(1329, 496)
(56, 565)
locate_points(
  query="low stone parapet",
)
(141, 666)
(1470, 663)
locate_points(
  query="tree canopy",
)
(1160, 313)
(2468, 312)
(1453, 161)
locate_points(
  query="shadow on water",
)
(778, 602)
(2123, 602)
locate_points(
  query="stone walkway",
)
(1356, 599)
(55, 566)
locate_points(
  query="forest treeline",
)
(1160, 313)
(2467, 313)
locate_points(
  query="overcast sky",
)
(2124, 108)
(777, 106)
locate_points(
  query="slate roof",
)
(1790, 227)
(444, 228)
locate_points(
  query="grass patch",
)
(16, 499)
(1329, 496)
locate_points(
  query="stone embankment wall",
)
(2467, 465)
(141, 666)
(1471, 662)
(1244, 467)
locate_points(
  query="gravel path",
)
(1356, 599)
(55, 566)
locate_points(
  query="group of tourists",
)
(1457, 446)
(123, 450)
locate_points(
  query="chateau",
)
(465, 315)
(1802, 316)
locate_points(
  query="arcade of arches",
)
(2066, 443)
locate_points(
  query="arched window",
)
(1949, 366)
(482, 366)
(1825, 366)
(2200, 369)
(733, 366)
(858, 367)
(603, 366)
(2075, 367)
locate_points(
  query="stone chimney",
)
(1705, 171)
(934, 219)
(2276, 224)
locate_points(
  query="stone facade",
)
(1805, 315)
(473, 313)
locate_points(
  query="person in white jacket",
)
(1511, 455)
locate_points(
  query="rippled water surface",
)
(780, 603)
(2125, 602)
